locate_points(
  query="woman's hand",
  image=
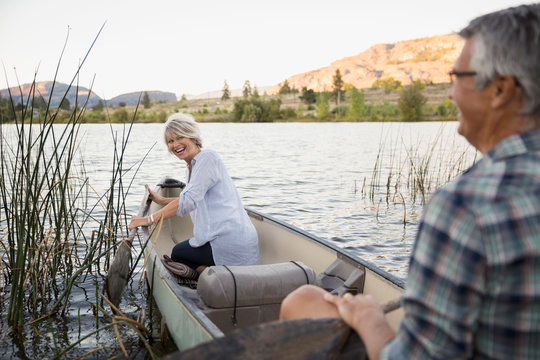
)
(155, 197)
(137, 221)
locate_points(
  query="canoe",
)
(236, 297)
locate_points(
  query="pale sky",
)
(190, 47)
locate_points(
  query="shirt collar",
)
(517, 144)
(194, 160)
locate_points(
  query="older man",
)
(473, 288)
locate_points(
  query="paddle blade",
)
(295, 339)
(117, 276)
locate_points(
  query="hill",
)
(133, 98)
(46, 90)
(427, 59)
(79, 95)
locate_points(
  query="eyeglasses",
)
(454, 74)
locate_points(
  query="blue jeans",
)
(193, 257)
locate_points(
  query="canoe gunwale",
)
(194, 311)
(325, 243)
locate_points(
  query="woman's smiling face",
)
(182, 147)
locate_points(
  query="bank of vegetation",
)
(387, 100)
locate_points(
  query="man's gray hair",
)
(507, 42)
(184, 125)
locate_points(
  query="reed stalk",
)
(424, 168)
(50, 236)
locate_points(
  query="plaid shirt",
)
(473, 288)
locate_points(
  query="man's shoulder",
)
(490, 181)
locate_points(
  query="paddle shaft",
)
(322, 338)
(392, 305)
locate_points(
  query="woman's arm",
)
(166, 212)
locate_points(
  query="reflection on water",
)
(316, 176)
(358, 185)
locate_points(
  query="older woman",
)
(223, 233)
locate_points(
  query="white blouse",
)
(218, 216)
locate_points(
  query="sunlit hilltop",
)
(427, 59)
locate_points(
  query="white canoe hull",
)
(279, 242)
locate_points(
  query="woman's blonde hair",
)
(184, 125)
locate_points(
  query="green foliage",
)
(357, 100)
(442, 110)
(255, 94)
(225, 92)
(337, 83)
(251, 113)
(39, 103)
(146, 101)
(64, 104)
(381, 112)
(388, 84)
(285, 88)
(99, 106)
(95, 117)
(7, 113)
(256, 110)
(246, 90)
(288, 113)
(300, 111)
(308, 96)
(451, 107)
(322, 106)
(161, 116)
(411, 101)
(120, 115)
(340, 111)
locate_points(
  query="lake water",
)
(317, 176)
(358, 185)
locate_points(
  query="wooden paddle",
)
(117, 277)
(295, 339)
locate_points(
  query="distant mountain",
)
(79, 95)
(133, 98)
(45, 88)
(427, 59)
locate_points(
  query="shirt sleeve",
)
(204, 176)
(445, 284)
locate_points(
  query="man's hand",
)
(364, 314)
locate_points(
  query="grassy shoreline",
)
(379, 106)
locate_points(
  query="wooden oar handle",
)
(392, 305)
(131, 235)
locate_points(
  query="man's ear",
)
(505, 91)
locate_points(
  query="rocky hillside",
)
(133, 98)
(45, 88)
(426, 59)
(79, 95)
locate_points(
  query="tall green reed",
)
(56, 231)
(411, 174)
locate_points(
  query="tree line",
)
(350, 104)
(343, 102)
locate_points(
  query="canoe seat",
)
(237, 286)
